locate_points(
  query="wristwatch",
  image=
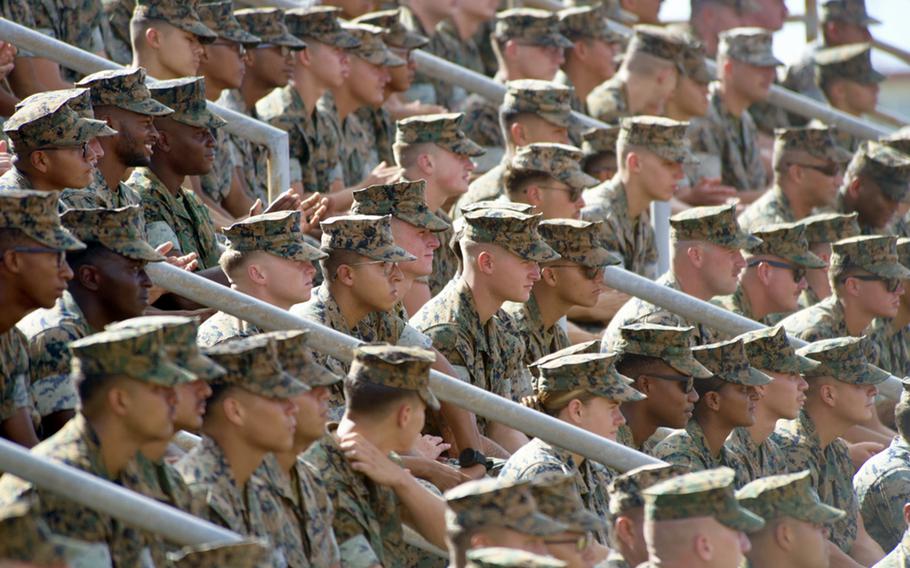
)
(470, 457)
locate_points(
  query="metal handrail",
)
(275, 139)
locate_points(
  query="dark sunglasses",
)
(891, 284)
(591, 272)
(799, 272)
(61, 254)
(828, 170)
(687, 382)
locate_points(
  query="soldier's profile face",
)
(47, 272)
(330, 64)
(784, 396)
(417, 241)
(367, 82)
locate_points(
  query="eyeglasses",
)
(238, 48)
(591, 272)
(827, 170)
(891, 284)
(687, 382)
(799, 272)
(84, 149)
(61, 254)
(574, 192)
(282, 49)
(387, 267)
(581, 543)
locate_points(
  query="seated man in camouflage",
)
(822, 230)
(501, 251)
(795, 521)
(558, 497)
(627, 515)
(726, 401)
(841, 394)
(599, 147)
(33, 274)
(494, 512)
(250, 414)
(659, 361)
(167, 38)
(753, 451)
(267, 258)
(774, 276)
(126, 386)
(434, 148)
(549, 177)
(528, 44)
(808, 170)
(892, 335)
(591, 60)
(877, 182)
(109, 284)
(386, 398)
(897, 558)
(706, 259)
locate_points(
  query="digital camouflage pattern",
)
(578, 241)
(223, 327)
(715, 225)
(123, 88)
(672, 345)
(367, 521)
(181, 15)
(404, 200)
(558, 498)
(49, 122)
(14, 373)
(252, 364)
(528, 324)
(881, 486)
(689, 447)
(219, 17)
(786, 241)
(78, 99)
(76, 22)
(278, 233)
(445, 261)
(587, 22)
(537, 458)
(752, 459)
(600, 141)
(831, 471)
(847, 359)
(121, 231)
(186, 96)
(727, 361)
(898, 557)
(850, 11)
(664, 137)
(250, 158)
(591, 372)
(466, 52)
(296, 358)
(560, 161)
(830, 227)
(216, 184)
(366, 235)
(396, 34)
(244, 554)
(887, 167)
(822, 320)
(539, 27)
(138, 353)
(769, 349)
(749, 45)
(494, 502)
(626, 490)
(379, 130)
(692, 61)
(444, 130)
(358, 154)
(512, 230)
(24, 537)
(874, 253)
(322, 24)
(852, 62)
(788, 495)
(406, 368)
(608, 101)
(424, 88)
(815, 141)
(179, 218)
(502, 557)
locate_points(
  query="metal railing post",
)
(275, 139)
(810, 19)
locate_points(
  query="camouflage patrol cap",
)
(179, 14)
(600, 140)
(850, 11)
(178, 334)
(24, 536)
(252, 364)
(50, 122)
(727, 361)
(591, 372)
(889, 168)
(664, 137)
(717, 225)
(592, 346)
(770, 350)
(525, 208)
(138, 353)
(296, 358)
(78, 99)
(790, 495)
(396, 34)
(692, 60)
(119, 230)
(530, 26)
(404, 200)
(187, 97)
(548, 100)
(444, 130)
(899, 140)
(788, 241)
(367, 235)
(500, 557)
(515, 232)
(578, 241)
(219, 17)
(277, 233)
(123, 88)
(815, 141)
(560, 161)
(493, 502)
(657, 42)
(35, 214)
(625, 490)
(846, 359)
(268, 24)
(587, 22)
(852, 62)
(873, 253)
(320, 23)
(748, 45)
(903, 250)
(613, 10)
(242, 554)
(557, 497)
(672, 345)
(372, 49)
(395, 366)
(707, 493)
(830, 227)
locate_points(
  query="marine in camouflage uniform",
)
(424, 88)
(578, 243)
(76, 22)
(735, 138)
(313, 136)
(876, 172)
(276, 233)
(892, 338)
(715, 225)
(25, 538)
(899, 557)
(547, 100)
(844, 359)
(179, 216)
(464, 52)
(135, 355)
(792, 146)
(524, 25)
(367, 520)
(634, 238)
(247, 553)
(557, 496)
(728, 362)
(609, 101)
(585, 374)
(823, 229)
(50, 331)
(488, 354)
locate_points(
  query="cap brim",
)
(871, 375)
(200, 30)
(390, 253)
(807, 260)
(138, 250)
(384, 58)
(287, 40)
(60, 239)
(538, 524)
(318, 376)
(741, 519)
(584, 520)
(742, 241)
(206, 120)
(429, 398)
(622, 393)
(537, 251)
(306, 253)
(340, 39)
(425, 220)
(578, 179)
(168, 374)
(465, 147)
(794, 364)
(598, 257)
(821, 514)
(148, 107)
(689, 366)
(90, 128)
(756, 378)
(889, 270)
(838, 154)
(554, 40)
(566, 120)
(204, 367)
(240, 35)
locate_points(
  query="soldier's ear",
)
(485, 262)
(88, 277)
(39, 160)
(153, 37)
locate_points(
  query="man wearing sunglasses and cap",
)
(875, 186)
(549, 177)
